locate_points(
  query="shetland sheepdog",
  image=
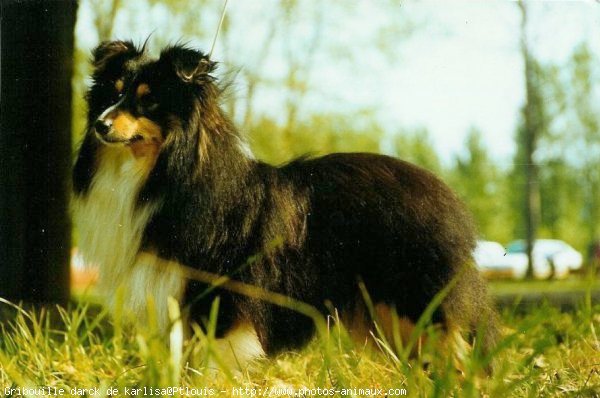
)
(163, 179)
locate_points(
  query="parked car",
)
(490, 260)
(494, 261)
(516, 256)
(551, 257)
(547, 254)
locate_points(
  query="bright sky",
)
(473, 74)
(460, 68)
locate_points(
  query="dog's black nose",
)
(101, 127)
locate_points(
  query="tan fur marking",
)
(126, 126)
(361, 327)
(119, 85)
(386, 322)
(142, 90)
(149, 130)
(203, 147)
(152, 140)
(356, 324)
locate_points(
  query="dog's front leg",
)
(142, 294)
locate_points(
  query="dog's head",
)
(134, 100)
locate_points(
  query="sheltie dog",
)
(163, 179)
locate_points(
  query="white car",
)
(494, 261)
(490, 258)
(547, 254)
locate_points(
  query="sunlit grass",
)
(544, 352)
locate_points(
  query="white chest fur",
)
(110, 227)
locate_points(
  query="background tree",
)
(416, 146)
(584, 82)
(528, 134)
(483, 187)
(319, 135)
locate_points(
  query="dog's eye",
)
(149, 103)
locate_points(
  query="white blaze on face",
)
(105, 115)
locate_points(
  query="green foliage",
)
(533, 125)
(564, 111)
(415, 146)
(319, 135)
(483, 187)
(561, 202)
(584, 95)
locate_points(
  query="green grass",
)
(542, 353)
(571, 285)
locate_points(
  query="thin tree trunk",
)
(531, 208)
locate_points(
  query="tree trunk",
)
(532, 200)
(35, 149)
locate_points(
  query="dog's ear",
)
(113, 54)
(191, 66)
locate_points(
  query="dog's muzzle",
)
(105, 133)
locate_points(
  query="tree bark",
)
(531, 205)
(35, 149)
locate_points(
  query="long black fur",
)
(318, 225)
